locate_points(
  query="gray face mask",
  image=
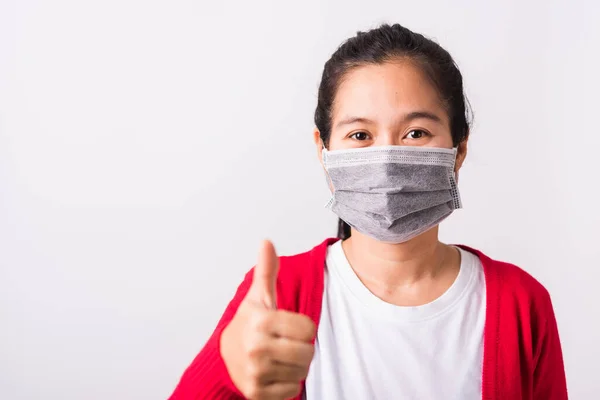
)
(392, 193)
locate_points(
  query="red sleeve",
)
(207, 376)
(549, 375)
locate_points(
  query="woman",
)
(387, 311)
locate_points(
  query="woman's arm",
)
(258, 350)
(207, 376)
(549, 376)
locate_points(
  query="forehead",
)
(387, 89)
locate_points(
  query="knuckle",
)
(252, 391)
(306, 355)
(306, 326)
(310, 353)
(311, 327)
(254, 348)
(295, 390)
(304, 374)
(261, 321)
(254, 372)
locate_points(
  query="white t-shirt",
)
(369, 349)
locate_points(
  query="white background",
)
(146, 147)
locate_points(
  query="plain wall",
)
(147, 147)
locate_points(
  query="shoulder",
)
(301, 275)
(513, 285)
(305, 263)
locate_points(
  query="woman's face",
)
(389, 104)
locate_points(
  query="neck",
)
(395, 265)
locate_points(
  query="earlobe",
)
(317, 136)
(461, 154)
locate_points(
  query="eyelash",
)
(353, 135)
(424, 132)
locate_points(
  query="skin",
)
(266, 351)
(395, 104)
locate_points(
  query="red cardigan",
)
(522, 353)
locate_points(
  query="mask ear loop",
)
(456, 200)
(329, 181)
(455, 149)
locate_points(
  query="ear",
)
(461, 154)
(318, 143)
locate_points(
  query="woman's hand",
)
(267, 352)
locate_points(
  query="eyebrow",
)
(407, 118)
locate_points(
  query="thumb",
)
(264, 281)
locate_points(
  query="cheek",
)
(442, 140)
(328, 180)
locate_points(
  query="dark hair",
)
(382, 45)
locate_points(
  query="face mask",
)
(392, 193)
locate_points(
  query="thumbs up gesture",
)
(267, 351)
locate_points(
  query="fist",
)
(267, 351)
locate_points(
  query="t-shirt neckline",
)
(337, 263)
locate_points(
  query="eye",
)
(360, 136)
(417, 134)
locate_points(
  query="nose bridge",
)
(388, 137)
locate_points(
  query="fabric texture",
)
(360, 338)
(522, 357)
(392, 193)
